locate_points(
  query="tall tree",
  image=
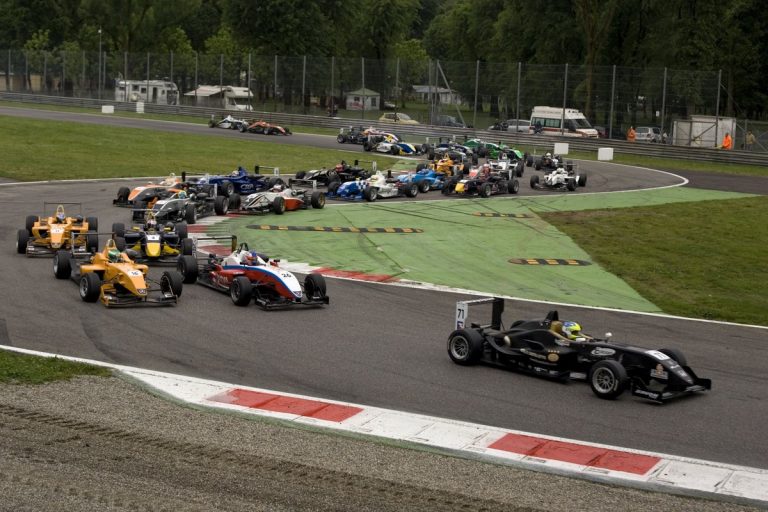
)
(595, 17)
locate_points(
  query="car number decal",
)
(134, 273)
(57, 229)
(658, 355)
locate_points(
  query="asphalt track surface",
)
(384, 346)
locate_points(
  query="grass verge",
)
(18, 368)
(701, 259)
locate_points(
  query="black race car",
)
(483, 182)
(539, 347)
(340, 173)
(352, 135)
(193, 202)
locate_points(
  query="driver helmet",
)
(571, 330)
(339, 167)
(60, 215)
(251, 258)
(113, 255)
(277, 187)
(182, 194)
(548, 155)
(151, 223)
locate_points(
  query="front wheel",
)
(608, 379)
(190, 214)
(221, 205)
(241, 291)
(62, 264)
(171, 282)
(314, 286)
(317, 200)
(22, 239)
(534, 181)
(465, 347)
(513, 186)
(278, 205)
(187, 267)
(90, 287)
(582, 180)
(424, 186)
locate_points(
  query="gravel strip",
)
(107, 444)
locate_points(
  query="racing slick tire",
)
(317, 200)
(424, 186)
(411, 190)
(171, 281)
(22, 239)
(300, 175)
(675, 354)
(187, 267)
(485, 190)
(314, 286)
(608, 379)
(465, 346)
(118, 229)
(242, 128)
(582, 180)
(474, 159)
(190, 214)
(278, 205)
(120, 243)
(570, 185)
(534, 181)
(62, 264)
(333, 187)
(122, 195)
(529, 161)
(367, 146)
(187, 246)
(340, 139)
(90, 287)
(394, 150)
(30, 222)
(431, 154)
(241, 291)
(519, 169)
(93, 223)
(221, 205)
(370, 194)
(92, 242)
(448, 188)
(234, 201)
(333, 176)
(537, 164)
(181, 230)
(211, 123)
(227, 188)
(513, 186)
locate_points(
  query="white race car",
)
(278, 199)
(559, 179)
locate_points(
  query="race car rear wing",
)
(462, 312)
(228, 242)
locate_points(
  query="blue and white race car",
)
(238, 181)
(425, 179)
(378, 186)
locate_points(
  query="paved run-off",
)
(461, 246)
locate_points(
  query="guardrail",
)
(542, 142)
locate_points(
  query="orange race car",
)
(146, 195)
(48, 234)
(112, 277)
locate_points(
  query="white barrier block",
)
(561, 148)
(139, 107)
(107, 109)
(605, 154)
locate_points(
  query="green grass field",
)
(18, 368)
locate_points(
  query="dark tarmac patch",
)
(549, 261)
(330, 229)
(508, 215)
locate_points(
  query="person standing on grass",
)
(727, 141)
(749, 141)
(631, 134)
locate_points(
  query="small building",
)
(148, 91)
(228, 97)
(363, 99)
(446, 96)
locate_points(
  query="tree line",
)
(727, 35)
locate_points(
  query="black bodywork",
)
(341, 173)
(353, 135)
(201, 201)
(161, 244)
(610, 368)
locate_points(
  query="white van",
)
(228, 97)
(148, 91)
(550, 119)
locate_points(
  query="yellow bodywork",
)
(55, 234)
(126, 273)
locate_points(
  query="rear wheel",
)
(190, 214)
(582, 180)
(300, 175)
(424, 186)
(118, 229)
(570, 185)
(227, 188)
(314, 286)
(534, 181)
(340, 139)
(22, 238)
(187, 246)
(187, 266)
(181, 230)
(171, 281)
(62, 264)
(93, 223)
(370, 193)
(234, 201)
(271, 182)
(92, 242)
(513, 186)
(333, 187)
(120, 243)
(317, 199)
(138, 210)
(221, 205)
(485, 190)
(608, 379)
(90, 287)
(465, 346)
(241, 291)
(30, 222)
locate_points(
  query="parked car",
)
(451, 121)
(397, 117)
(648, 134)
(512, 125)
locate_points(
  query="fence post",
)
(27, 81)
(303, 85)
(664, 102)
(197, 71)
(333, 98)
(83, 69)
(8, 79)
(717, 108)
(221, 70)
(565, 95)
(613, 95)
(397, 79)
(63, 86)
(45, 72)
(171, 66)
(125, 75)
(248, 79)
(517, 106)
(146, 100)
(362, 70)
(275, 85)
(477, 84)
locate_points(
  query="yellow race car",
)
(112, 277)
(48, 234)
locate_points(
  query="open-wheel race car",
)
(188, 205)
(341, 172)
(426, 179)
(247, 276)
(378, 186)
(263, 127)
(484, 182)
(549, 162)
(238, 181)
(559, 350)
(559, 179)
(227, 122)
(298, 195)
(353, 135)
(152, 241)
(146, 195)
(112, 277)
(51, 232)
